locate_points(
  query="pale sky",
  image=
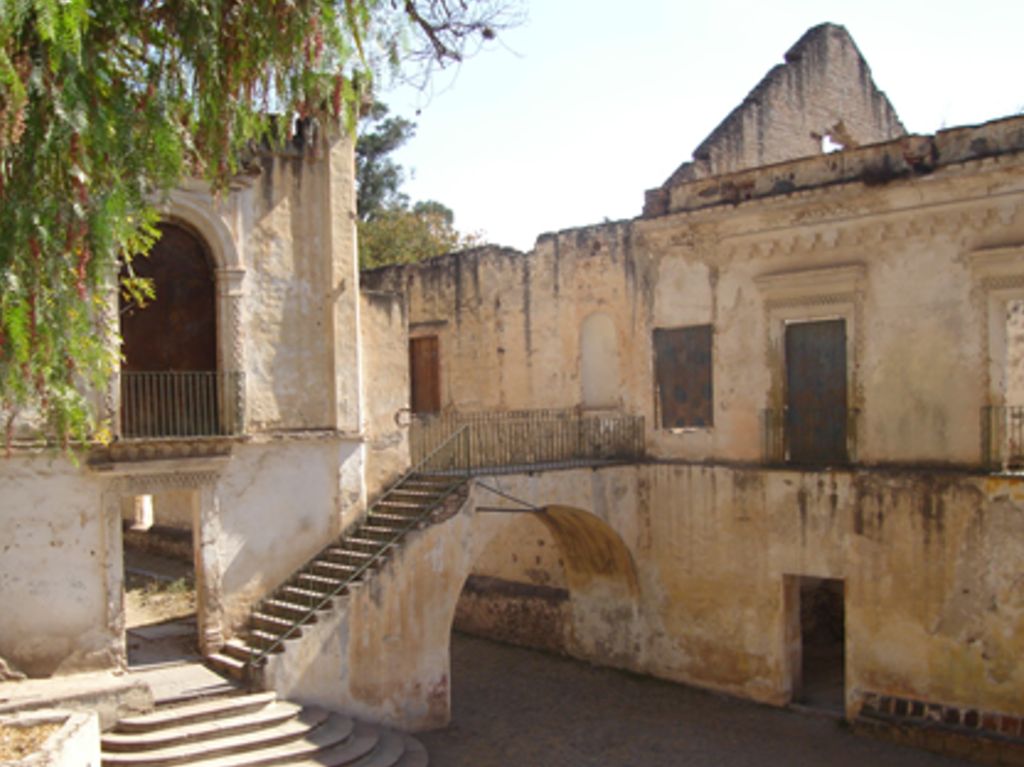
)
(570, 117)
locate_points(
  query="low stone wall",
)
(522, 614)
(75, 742)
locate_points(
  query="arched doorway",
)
(170, 388)
(169, 381)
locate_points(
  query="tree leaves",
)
(106, 104)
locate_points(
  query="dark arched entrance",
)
(169, 381)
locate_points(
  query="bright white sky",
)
(590, 102)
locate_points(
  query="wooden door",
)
(425, 375)
(816, 405)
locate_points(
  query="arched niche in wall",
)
(599, 361)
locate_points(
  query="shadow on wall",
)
(559, 580)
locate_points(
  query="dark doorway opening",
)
(821, 612)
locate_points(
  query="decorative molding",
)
(832, 284)
(139, 484)
(822, 300)
(139, 477)
(996, 266)
(998, 278)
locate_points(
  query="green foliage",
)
(106, 103)
(401, 236)
(390, 232)
(378, 177)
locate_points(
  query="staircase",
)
(436, 483)
(254, 731)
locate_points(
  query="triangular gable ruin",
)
(824, 90)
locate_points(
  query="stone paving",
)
(517, 707)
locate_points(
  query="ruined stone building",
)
(759, 439)
(816, 342)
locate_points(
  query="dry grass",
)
(18, 741)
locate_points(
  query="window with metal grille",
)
(682, 370)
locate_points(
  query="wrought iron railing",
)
(554, 437)
(159, 405)
(448, 460)
(1002, 434)
(777, 437)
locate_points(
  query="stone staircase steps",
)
(227, 664)
(275, 713)
(303, 726)
(340, 567)
(203, 711)
(254, 731)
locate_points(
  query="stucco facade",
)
(913, 247)
(760, 271)
(259, 500)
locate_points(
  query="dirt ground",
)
(160, 607)
(515, 706)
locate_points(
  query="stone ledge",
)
(76, 742)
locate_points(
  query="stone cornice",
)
(832, 284)
(997, 268)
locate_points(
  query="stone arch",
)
(589, 608)
(198, 212)
(592, 549)
(599, 361)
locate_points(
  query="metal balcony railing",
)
(815, 439)
(1002, 434)
(166, 405)
(524, 438)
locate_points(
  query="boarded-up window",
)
(816, 411)
(682, 362)
(425, 375)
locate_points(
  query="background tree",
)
(390, 231)
(105, 103)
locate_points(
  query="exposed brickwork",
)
(985, 735)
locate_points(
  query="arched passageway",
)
(558, 579)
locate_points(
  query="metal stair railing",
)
(450, 459)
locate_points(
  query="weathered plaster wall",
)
(300, 318)
(283, 252)
(60, 568)
(680, 571)
(386, 385)
(934, 603)
(278, 503)
(893, 259)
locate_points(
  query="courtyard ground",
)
(519, 707)
(160, 607)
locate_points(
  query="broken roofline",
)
(872, 164)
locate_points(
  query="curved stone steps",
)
(254, 731)
(271, 715)
(309, 724)
(415, 754)
(202, 711)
